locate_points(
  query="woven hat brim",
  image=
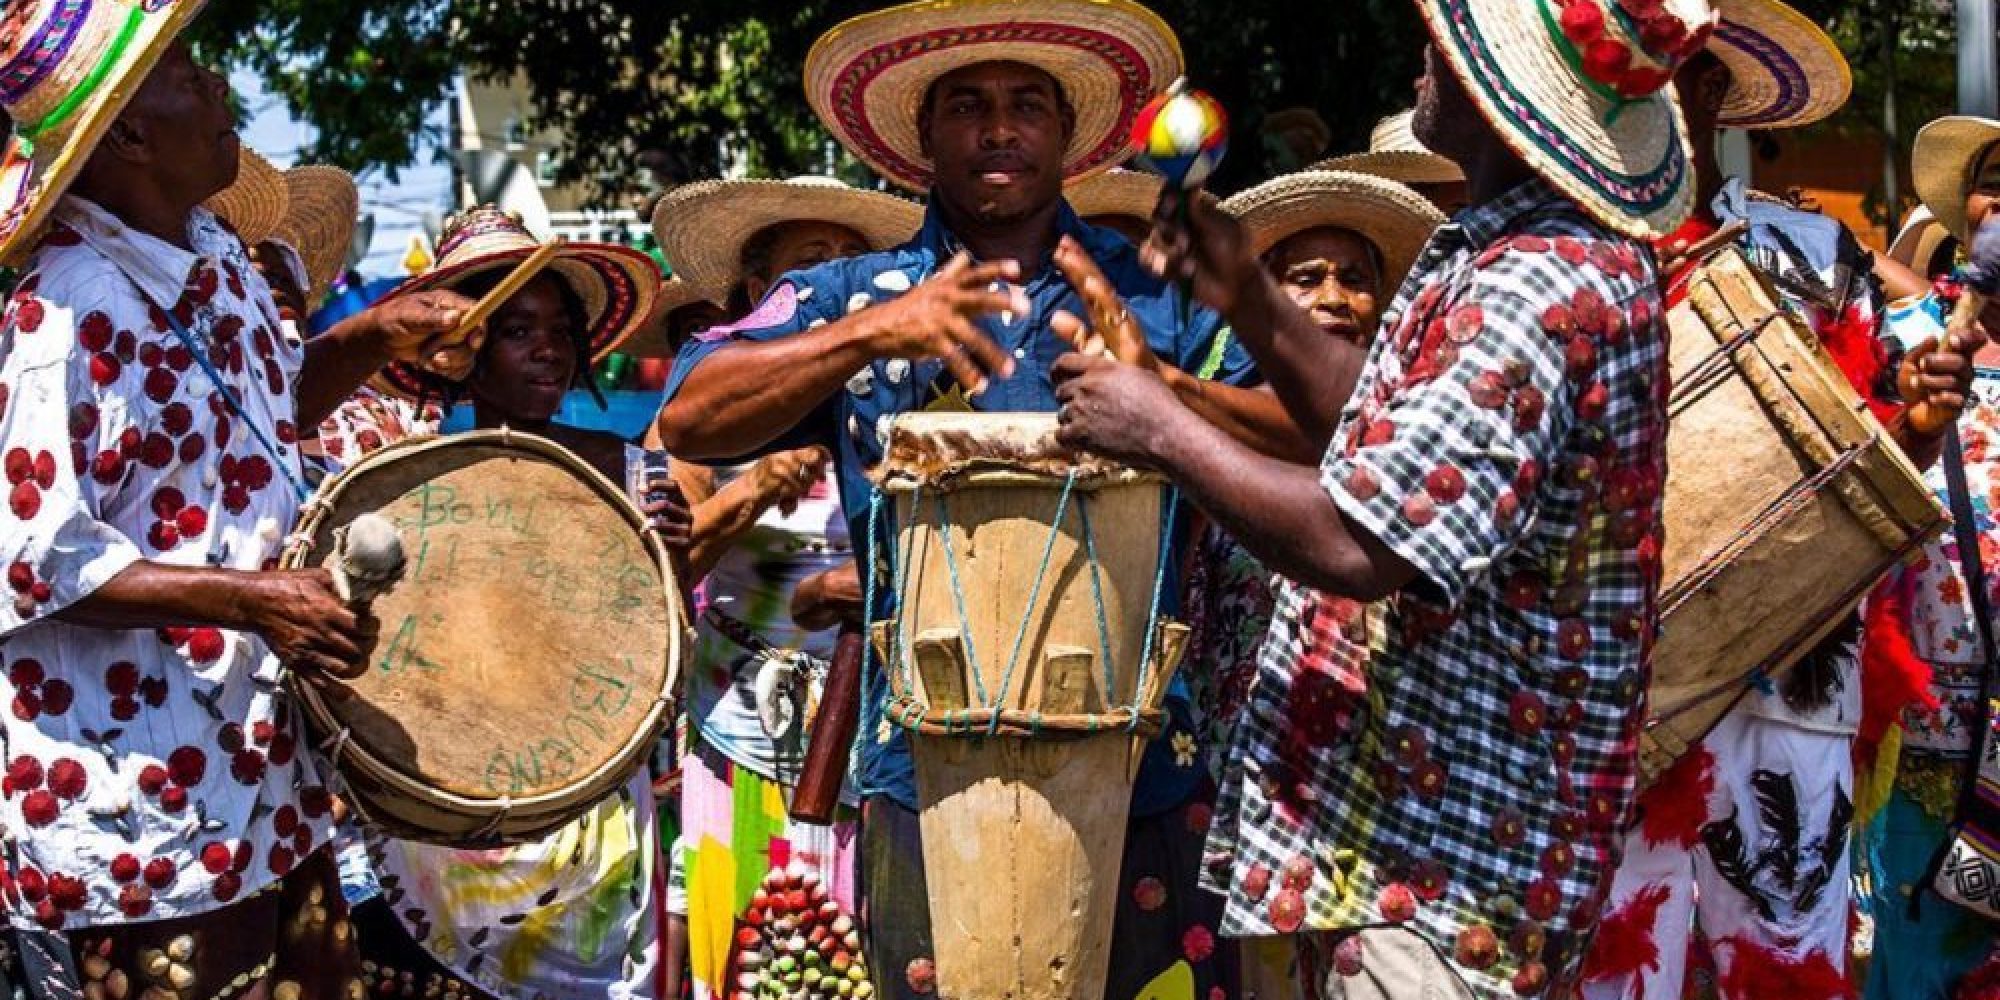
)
(1397, 220)
(650, 340)
(1947, 152)
(866, 78)
(323, 206)
(1784, 71)
(1401, 166)
(703, 227)
(1631, 172)
(59, 158)
(1131, 193)
(255, 205)
(619, 286)
(1918, 240)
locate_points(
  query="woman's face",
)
(1332, 275)
(1984, 198)
(529, 361)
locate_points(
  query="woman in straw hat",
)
(1921, 615)
(575, 915)
(1767, 66)
(166, 828)
(1339, 244)
(783, 579)
(1528, 346)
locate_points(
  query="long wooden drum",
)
(528, 653)
(1027, 664)
(1785, 501)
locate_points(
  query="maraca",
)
(1182, 135)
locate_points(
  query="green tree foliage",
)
(694, 86)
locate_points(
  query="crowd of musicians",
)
(1414, 401)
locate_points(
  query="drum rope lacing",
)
(1712, 370)
(992, 718)
(1781, 508)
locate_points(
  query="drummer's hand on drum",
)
(784, 478)
(307, 626)
(1110, 329)
(826, 599)
(938, 320)
(422, 328)
(1115, 410)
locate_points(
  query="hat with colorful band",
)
(1784, 71)
(618, 285)
(1581, 90)
(1395, 154)
(866, 78)
(67, 69)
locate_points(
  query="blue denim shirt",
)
(848, 423)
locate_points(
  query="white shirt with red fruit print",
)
(149, 774)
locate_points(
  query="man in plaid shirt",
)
(1443, 811)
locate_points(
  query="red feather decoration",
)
(1624, 944)
(1861, 356)
(1893, 677)
(1982, 983)
(1758, 972)
(1674, 810)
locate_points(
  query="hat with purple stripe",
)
(1581, 89)
(1784, 71)
(67, 69)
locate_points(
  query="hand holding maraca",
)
(1182, 135)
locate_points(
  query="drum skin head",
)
(526, 654)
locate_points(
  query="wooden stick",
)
(832, 734)
(505, 290)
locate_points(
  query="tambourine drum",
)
(1028, 665)
(1785, 502)
(528, 653)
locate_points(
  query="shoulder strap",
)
(1965, 526)
(235, 404)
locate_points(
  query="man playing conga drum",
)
(1446, 813)
(166, 825)
(1691, 856)
(978, 111)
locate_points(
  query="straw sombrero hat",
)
(255, 204)
(1947, 152)
(67, 69)
(1134, 193)
(1784, 71)
(1394, 153)
(1918, 242)
(867, 77)
(650, 340)
(322, 208)
(1582, 90)
(1397, 220)
(703, 227)
(619, 286)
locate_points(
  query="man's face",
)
(996, 134)
(1447, 122)
(184, 116)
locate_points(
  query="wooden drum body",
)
(528, 653)
(1031, 685)
(1785, 502)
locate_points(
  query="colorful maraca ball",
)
(1182, 135)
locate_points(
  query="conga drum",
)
(1785, 502)
(528, 651)
(1029, 665)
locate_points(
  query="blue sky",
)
(398, 208)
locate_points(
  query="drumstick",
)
(832, 734)
(505, 290)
